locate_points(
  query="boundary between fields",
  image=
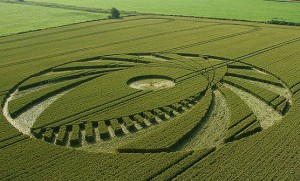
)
(130, 13)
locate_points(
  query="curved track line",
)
(132, 40)
(25, 121)
(212, 132)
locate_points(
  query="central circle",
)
(151, 82)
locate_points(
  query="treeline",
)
(280, 22)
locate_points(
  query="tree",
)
(115, 14)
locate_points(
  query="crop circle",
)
(151, 82)
(139, 92)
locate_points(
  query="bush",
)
(115, 14)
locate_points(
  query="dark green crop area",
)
(151, 97)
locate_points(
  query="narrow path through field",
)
(264, 113)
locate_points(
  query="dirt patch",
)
(265, 114)
(151, 82)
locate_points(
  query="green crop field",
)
(151, 97)
(53, 13)
(16, 18)
(257, 10)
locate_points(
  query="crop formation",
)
(151, 98)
